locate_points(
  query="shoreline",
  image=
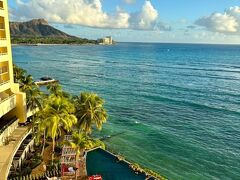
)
(40, 44)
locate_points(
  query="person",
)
(44, 167)
(71, 169)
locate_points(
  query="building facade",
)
(12, 101)
(13, 108)
(106, 41)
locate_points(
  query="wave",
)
(191, 104)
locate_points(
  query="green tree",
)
(58, 113)
(19, 74)
(55, 89)
(80, 141)
(27, 85)
(34, 97)
(89, 111)
(39, 129)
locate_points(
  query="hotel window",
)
(1, 5)
(4, 74)
(2, 23)
(5, 94)
(3, 50)
(2, 29)
(4, 67)
(4, 78)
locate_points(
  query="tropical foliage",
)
(51, 40)
(59, 112)
(57, 115)
(34, 98)
(55, 89)
(27, 85)
(80, 141)
(19, 74)
(90, 111)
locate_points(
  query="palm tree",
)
(33, 93)
(89, 111)
(26, 83)
(34, 97)
(55, 89)
(80, 141)
(58, 114)
(41, 126)
(19, 73)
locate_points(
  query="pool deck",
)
(115, 169)
(8, 151)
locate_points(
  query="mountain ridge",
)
(35, 28)
(38, 31)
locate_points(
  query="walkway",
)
(7, 152)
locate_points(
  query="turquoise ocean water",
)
(175, 107)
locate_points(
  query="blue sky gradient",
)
(191, 21)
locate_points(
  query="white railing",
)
(2, 73)
(4, 82)
(7, 130)
(16, 147)
(7, 104)
(3, 53)
(5, 99)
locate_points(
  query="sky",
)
(174, 21)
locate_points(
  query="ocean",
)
(173, 108)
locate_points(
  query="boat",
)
(95, 177)
(46, 78)
(45, 81)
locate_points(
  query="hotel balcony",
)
(3, 51)
(12, 137)
(2, 29)
(7, 102)
(1, 5)
(3, 39)
(2, 10)
(3, 54)
(11, 146)
(4, 78)
(6, 129)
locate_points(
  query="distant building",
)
(106, 41)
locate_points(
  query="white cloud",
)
(129, 1)
(144, 19)
(88, 13)
(227, 22)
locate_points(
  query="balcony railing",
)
(3, 50)
(2, 73)
(2, 27)
(1, 5)
(7, 104)
(3, 53)
(5, 99)
(3, 70)
(4, 82)
(14, 119)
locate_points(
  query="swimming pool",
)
(103, 163)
